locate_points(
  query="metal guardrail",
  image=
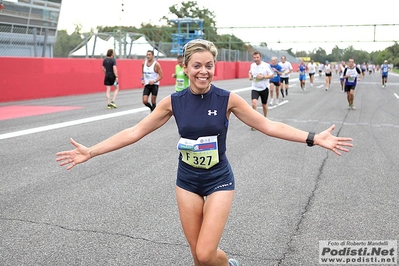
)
(26, 41)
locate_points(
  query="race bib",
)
(200, 153)
(352, 78)
(180, 83)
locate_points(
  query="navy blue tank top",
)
(200, 115)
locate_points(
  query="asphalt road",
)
(120, 208)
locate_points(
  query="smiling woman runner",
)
(205, 180)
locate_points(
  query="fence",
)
(135, 46)
(22, 41)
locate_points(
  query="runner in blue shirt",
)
(302, 74)
(275, 81)
(384, 73)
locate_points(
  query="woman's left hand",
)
(337, 144)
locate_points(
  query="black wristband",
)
(310, 139)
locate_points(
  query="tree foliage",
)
(66, 43)
(190, 9)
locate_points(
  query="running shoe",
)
(353, 107)
(349, 107)
(113, 105)
(271, 102)
(253, 129)
(234, 262)
(109, 106)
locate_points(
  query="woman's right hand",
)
(73, 157)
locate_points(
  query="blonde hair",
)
(197, 46)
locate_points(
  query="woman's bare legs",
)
(203, 222)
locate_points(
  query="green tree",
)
(349, 53)
(319, 55)
(336, 54)
(191, 9)
(66, 43)
(301, 54)
(362, 56)
(392, 55)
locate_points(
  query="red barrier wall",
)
(35, 78)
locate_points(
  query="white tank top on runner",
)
(149, 73)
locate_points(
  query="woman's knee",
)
(205, 256)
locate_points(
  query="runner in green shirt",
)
(182, 81)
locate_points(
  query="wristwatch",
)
(310, 139)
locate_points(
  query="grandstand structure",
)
(28, 28)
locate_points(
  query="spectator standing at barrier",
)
(352, 75)
(259, 74)
(111, 78)
(312, 71)
(182, 81)
(205, 181)
(286, 69)
(151, 75)
(275, 80)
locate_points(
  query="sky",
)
(257, 21)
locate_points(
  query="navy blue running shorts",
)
(205, 182)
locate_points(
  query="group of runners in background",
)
(273, 79)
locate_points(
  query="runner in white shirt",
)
(312, 71)
(328, 71)
(260, 73)
(341, 69)
(321, 66)
(370, 68)
(286, 69)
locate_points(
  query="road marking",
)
(81, 121)
(69, 123)
(279, 104)
(16, 111)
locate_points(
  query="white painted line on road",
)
(279, 104)
(397, 96)
(81, 121)
(97, 118)
(69, 123)
(241, 90)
